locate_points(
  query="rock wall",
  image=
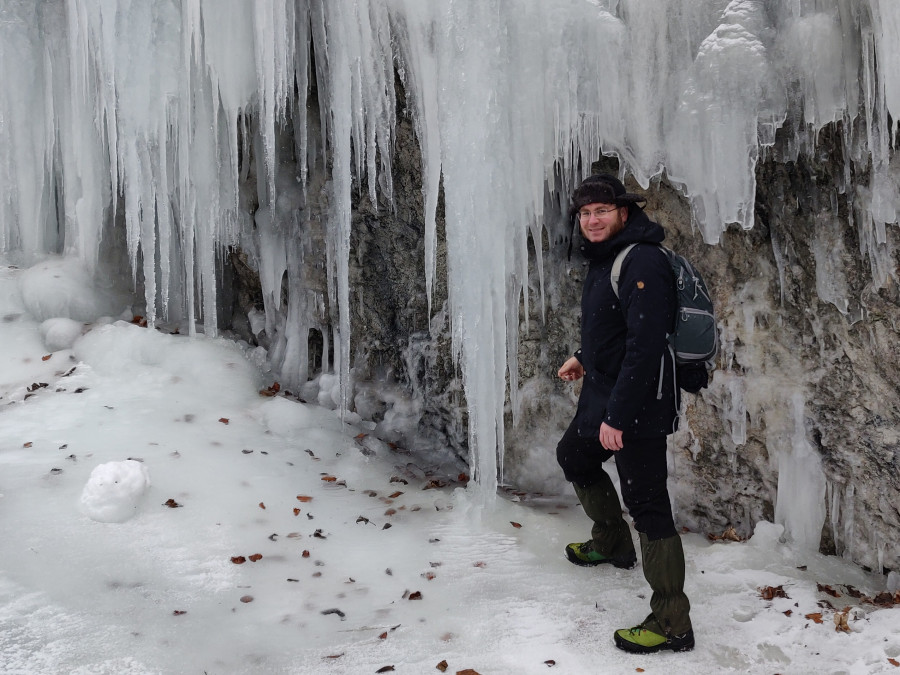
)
(801, 422)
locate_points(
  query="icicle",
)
(800, 502)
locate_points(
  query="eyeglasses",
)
(584, 215)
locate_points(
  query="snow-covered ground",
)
(273, 538)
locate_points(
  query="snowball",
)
(114, 490)
(767, 535)
(60, 333)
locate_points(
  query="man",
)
(628, 404)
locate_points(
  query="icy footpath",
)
(272, 538)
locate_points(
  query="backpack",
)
(695, 340)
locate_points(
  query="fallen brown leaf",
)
(270, 391)
(383, 636)
(894, 662)
(515, 524)
(296, 512)
(238, 559)
(822, 588)
(329, 479)
(395, 495)
(246, 598)
(728, 535)
(840, 621)
(549, 663)
(769, 592)
(27, 445)
(262, 506)
(731, 535)
(303, 498)
(814, 616)
(443, 665)
(46, 358)
(415, 595)
(305, 554)
(223, 420)
(256, 557)
(467, 671)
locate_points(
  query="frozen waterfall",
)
(142, 116)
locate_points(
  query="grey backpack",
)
(695, 340)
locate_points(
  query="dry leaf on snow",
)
(822, 588)
(840, 621)
(769, 592)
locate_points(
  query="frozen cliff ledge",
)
(318, 141)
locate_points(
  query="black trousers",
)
(641, 464)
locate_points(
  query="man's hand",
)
(571, 370)
(610, 438)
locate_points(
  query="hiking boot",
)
(585, 555)
(641, 640)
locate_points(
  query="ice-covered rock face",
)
(114, 491)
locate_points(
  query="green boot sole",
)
(584, 556)
(639, 640)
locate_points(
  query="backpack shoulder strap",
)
(616, 271)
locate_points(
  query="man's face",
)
(600, 222)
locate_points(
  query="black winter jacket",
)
(624, 351)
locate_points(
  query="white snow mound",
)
(62, 287)
(114, 491)
(60, 333)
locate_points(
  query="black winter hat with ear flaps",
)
(602, 188)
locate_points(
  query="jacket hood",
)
(639, 229)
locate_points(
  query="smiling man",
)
(628, 405)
